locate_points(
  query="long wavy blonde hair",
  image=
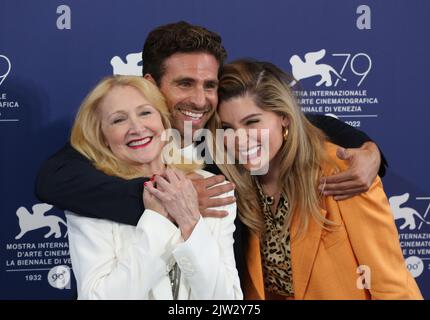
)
(87, 136)
(302, 154)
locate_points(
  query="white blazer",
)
(117, 261)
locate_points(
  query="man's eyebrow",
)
(183, 79)
(212, 82)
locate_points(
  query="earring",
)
(285, 134)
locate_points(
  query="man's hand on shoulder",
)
(363, 163)
(207, 189)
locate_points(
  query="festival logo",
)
(59, 277)
(5, 67)
(415, 266)
(407, 214)
(414, 230)
(40, 249)
(8, 106)
(37, 220)
(309, 68)
(334, 84)
(132, 66)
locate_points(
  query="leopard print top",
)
(275, 247)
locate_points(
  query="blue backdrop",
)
(371, 58)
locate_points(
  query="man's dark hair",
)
(180, 37)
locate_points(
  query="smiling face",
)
(132, 127)
(259, 133)
(189, 84)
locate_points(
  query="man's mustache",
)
(193, 107)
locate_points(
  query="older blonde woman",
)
(172, 253)
(302, 244)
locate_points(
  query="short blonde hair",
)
(87, 136)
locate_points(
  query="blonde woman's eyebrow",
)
(145, 105)
(114, 113)
(124, 112)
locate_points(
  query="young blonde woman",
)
(172, 253)
(302, 244)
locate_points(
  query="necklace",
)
(267, 199)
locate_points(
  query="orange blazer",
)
(324, 263)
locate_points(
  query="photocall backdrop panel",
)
(364, 62)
